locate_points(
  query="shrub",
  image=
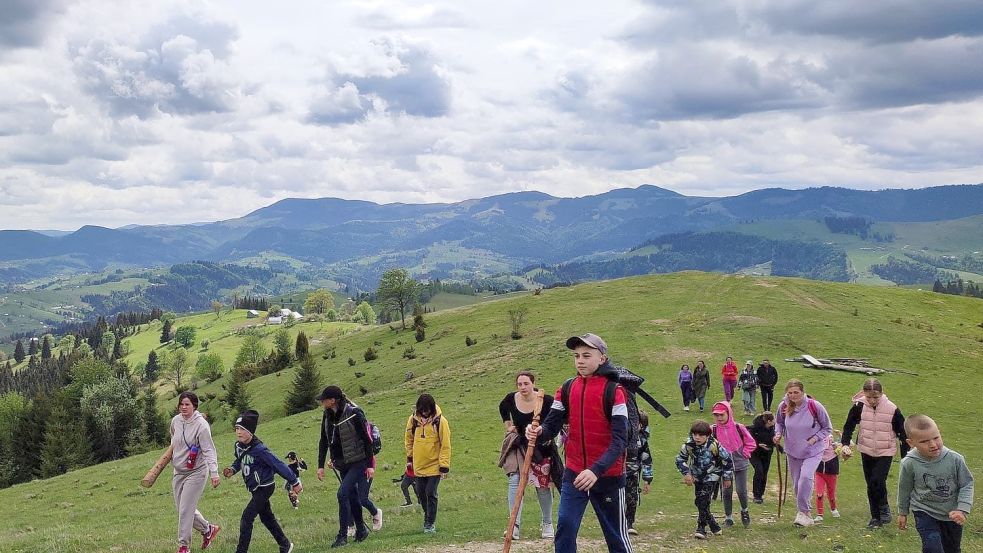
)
(370, 354)
(351, 362)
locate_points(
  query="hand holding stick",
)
(524, 474)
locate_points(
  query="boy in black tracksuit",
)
(258, 466)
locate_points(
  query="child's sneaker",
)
(407, 504)
(210, 535)
(339, 541)
(289, 548)
(818, 519)
(700, 534)
(295, 501)
(549, 534)
(361, 536)
(430, 529)
(715, 528)
(745, 518)
(834, 513)
(184, 549)
(758, 500)
(728, 522)
(632, 531)
(377, 520)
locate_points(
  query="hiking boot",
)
(210, 535)
(834, 513)
(745, 518)
(886, 514)
(818, 519)
(700, 533)
(728, 522)
(339, 541)
(802, 519)
(377, 520)
(548, 533)
(632, 531)
(289, 548)
(361, 536)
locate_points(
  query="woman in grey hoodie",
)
(194, 460)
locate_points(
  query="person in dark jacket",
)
(763, 431)
(767, 380)
(701, 383)
(344, 436)
(258, 465)
(595, 449)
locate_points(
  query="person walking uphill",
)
(739, 442)
(728, 375)
(686, 386)
(881, 426)
(344, 437)
(194, 461)
(701, 383)
(595, 450)
(258, 466)
(428, 450)
(767, 380)
(804, 424)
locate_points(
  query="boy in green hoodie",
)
(936, 484)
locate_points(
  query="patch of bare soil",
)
(765, 283)
(675, 352)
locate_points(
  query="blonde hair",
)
(793, 383)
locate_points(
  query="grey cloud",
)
(24, 22)
(875, 20)
(172, 70)
(415, 87)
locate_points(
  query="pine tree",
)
(165, 333)
(27, 439)
(152, 369)
(19, 353)
(118, 348)
(46, 347)
(65, 444)
(154, 423)
(236, 395)
(306, 385)
(32, 346)
(419, 325)
(302, 347)
(6, 378)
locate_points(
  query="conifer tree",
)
(46, 347)
(306, 385)
(418, 324)
(154, 422)
(65, 444)
(165, 333)
(27, 438)
(6, 378)
(236, 395)
(32, 346)
(302, 347)
(19, 353)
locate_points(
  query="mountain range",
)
(516, 229)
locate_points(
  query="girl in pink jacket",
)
(737, 440)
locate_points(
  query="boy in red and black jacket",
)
(595, 448)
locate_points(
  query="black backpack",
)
(631, 383)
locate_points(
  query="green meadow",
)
(652, 324)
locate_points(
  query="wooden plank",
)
(811, 360)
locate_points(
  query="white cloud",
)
(182, 111)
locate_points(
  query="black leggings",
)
(875, 473)
(761, 461)
(259, 504)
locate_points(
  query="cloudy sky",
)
(174, 111)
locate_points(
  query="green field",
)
(652, 324)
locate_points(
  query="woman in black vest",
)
(344, 436)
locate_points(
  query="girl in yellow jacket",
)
(428, 450)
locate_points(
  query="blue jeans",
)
(607, 497)
(938, 536)
(353, 485)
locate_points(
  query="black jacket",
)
(767, 376)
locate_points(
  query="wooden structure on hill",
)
(849, 364)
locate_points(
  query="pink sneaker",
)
(183, 549)
(212, 532)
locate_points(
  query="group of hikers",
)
(694, 384)
(605, 457)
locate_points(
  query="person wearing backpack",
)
(345, 438)
(595, 449)
(428, 449)
(704, 464)
(739, 442)
(748, 383)
(804, 425)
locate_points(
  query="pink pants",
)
(729, 387)
(825, 485)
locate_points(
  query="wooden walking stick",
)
(781, 484)
(524, 473)
(158, 467)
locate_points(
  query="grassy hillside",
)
(652, 324)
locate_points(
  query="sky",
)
(175, 111)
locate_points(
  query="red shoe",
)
(212, 532)
(184, 549)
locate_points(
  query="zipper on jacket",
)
(583, 435)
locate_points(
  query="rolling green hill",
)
(652, 324)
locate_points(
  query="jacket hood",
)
(730, 411)
(194, 419)
(859, 396)
(913, 454)
(421, 420)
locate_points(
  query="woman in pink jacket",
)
(729, 374)
(739, 442)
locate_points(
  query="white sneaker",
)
(834, 513)
(818, 519)
(802, 519)
(515, 532)
(377, 520)
(548, 531)
(351, 531)
(686, 408)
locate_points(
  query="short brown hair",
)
(918, 423)
(526, 372)
(700, 427)
(193, 397)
